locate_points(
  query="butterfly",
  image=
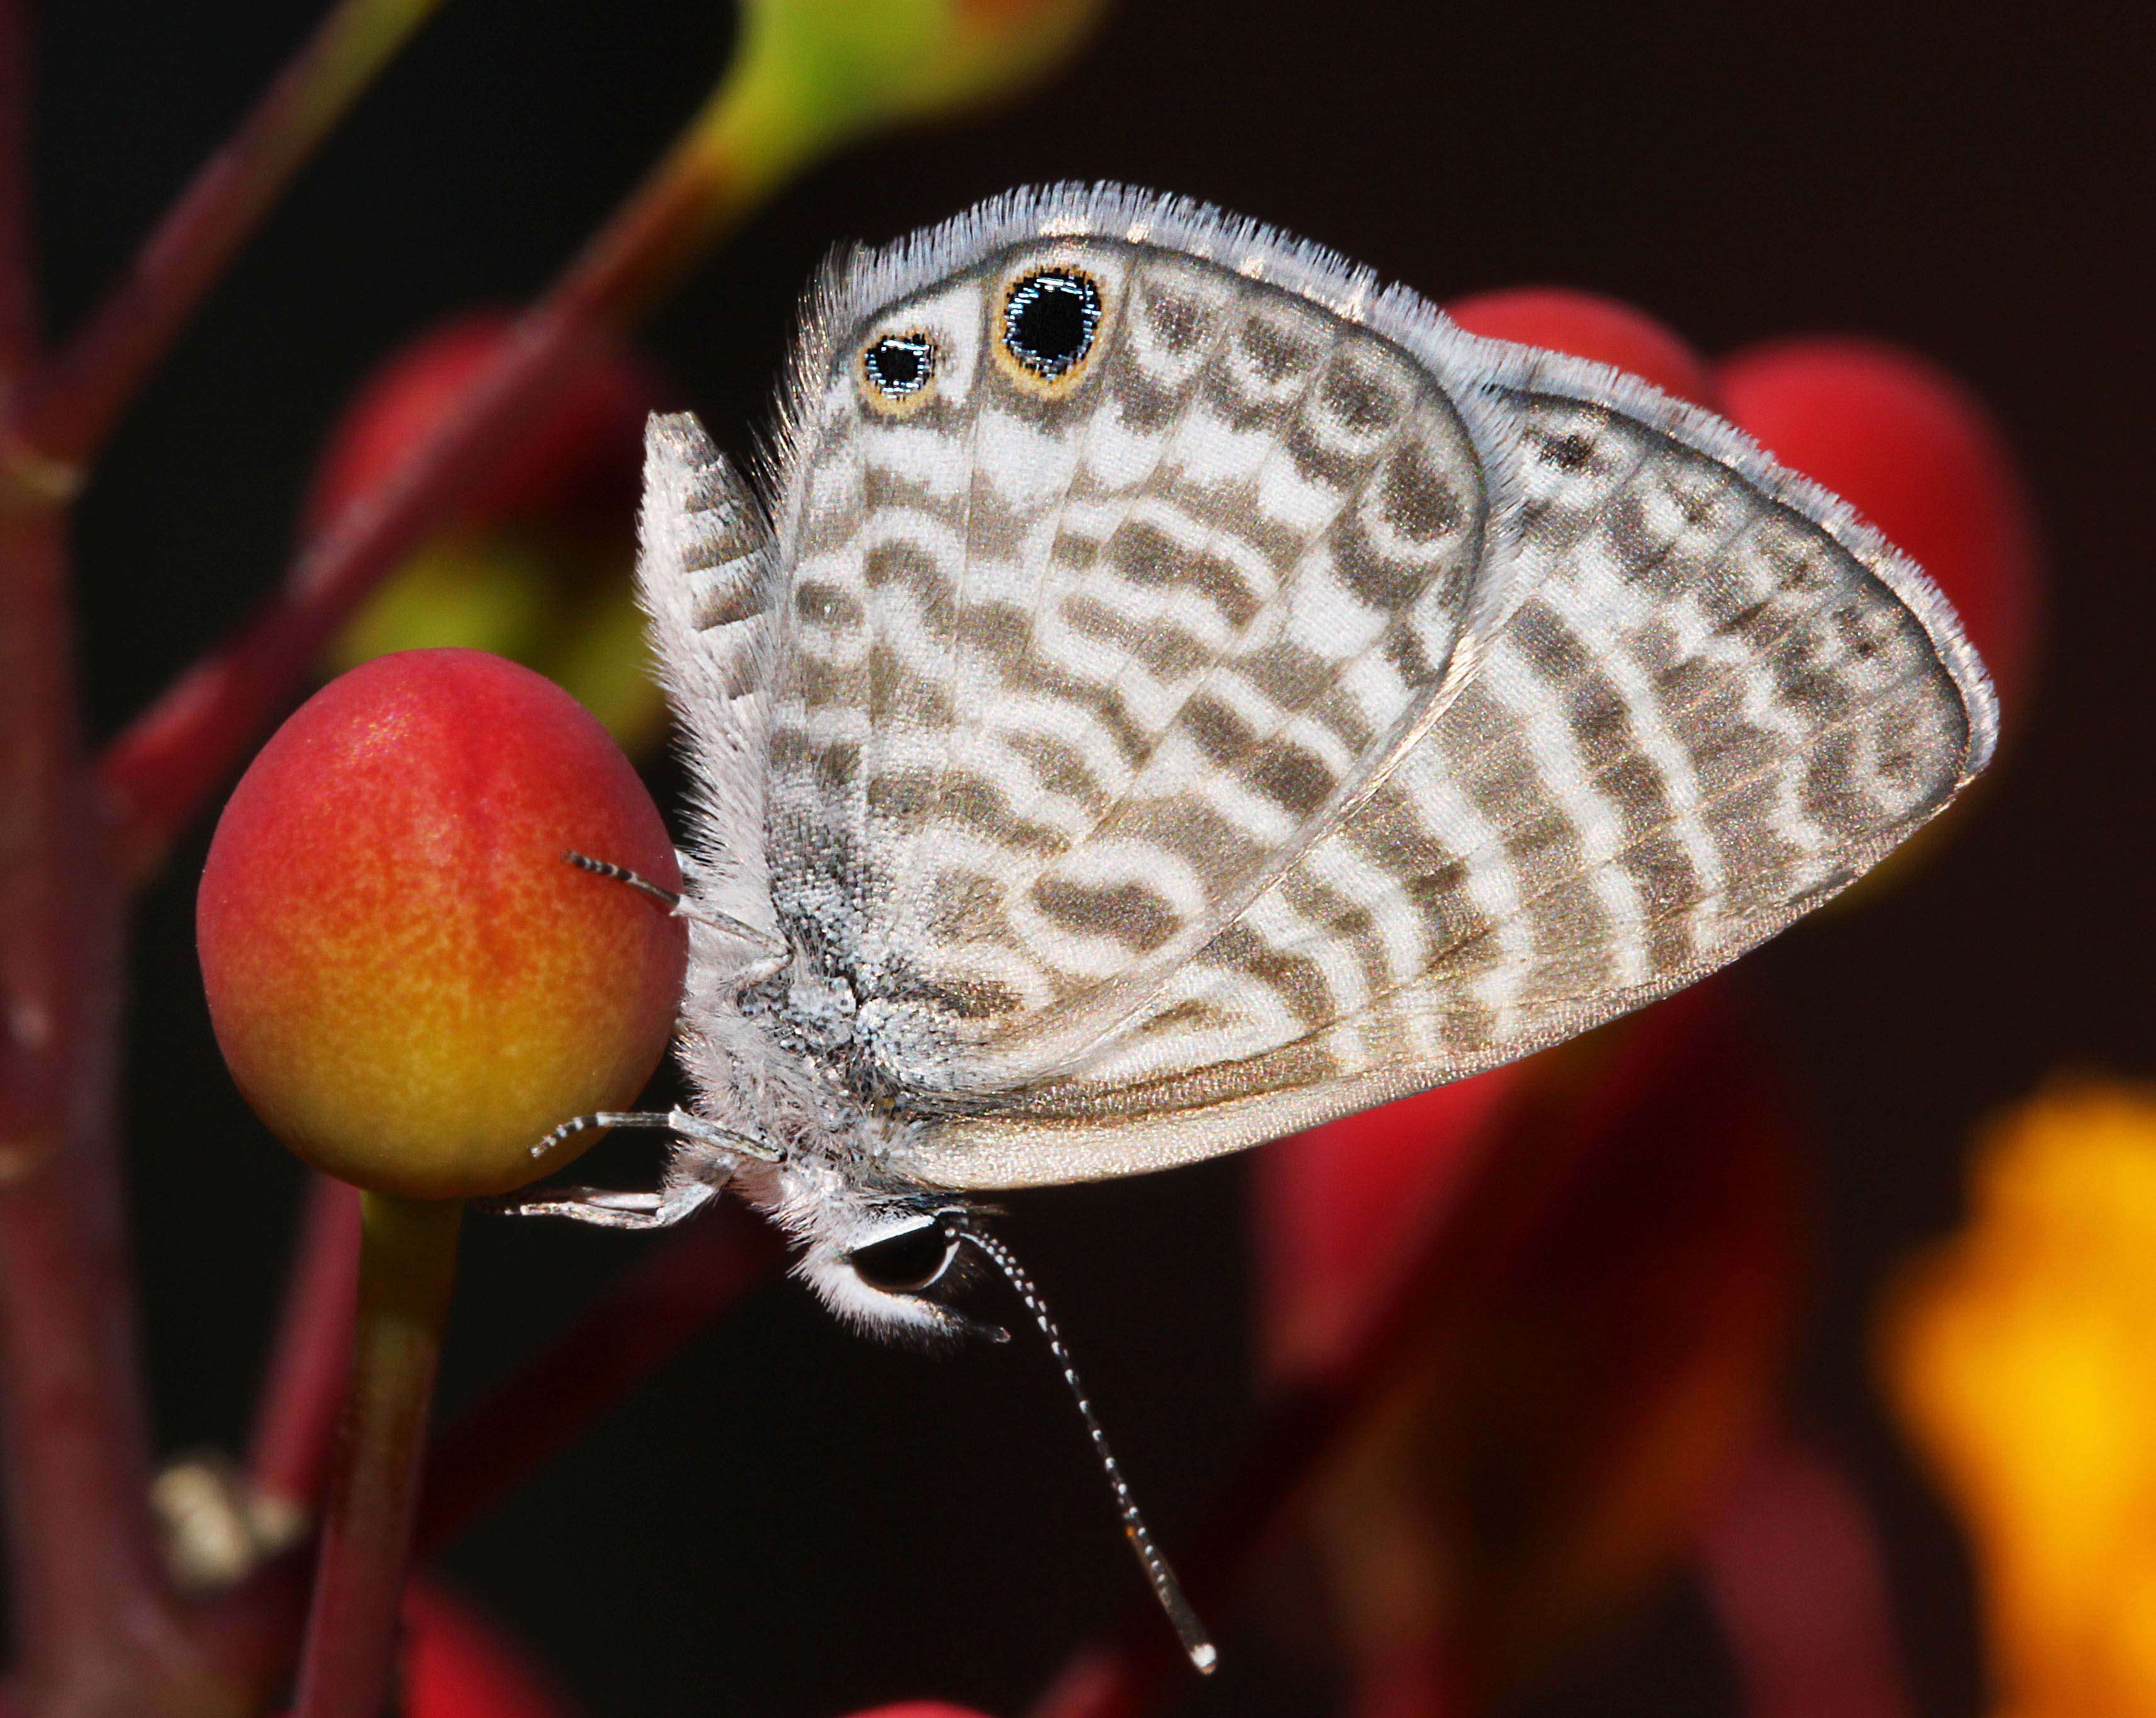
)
(1170, 690)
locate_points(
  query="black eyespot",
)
(899, 364)
(906, 1263)
(1050, 319)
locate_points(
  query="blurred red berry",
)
(458, 1663)
(1589, 327)
(921, 1709)
(1340, 1211)
(584, 453)
(1919, 455)
(1599, 1353)
(408, 982)
(535, 565)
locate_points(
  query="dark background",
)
(790, 1521)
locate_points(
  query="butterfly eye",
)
(906, 1262)
(1049, 320)
(899, 364)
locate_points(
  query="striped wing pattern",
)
(707, 577)
(1067, 682)
(1297, 705)
(1707, 716)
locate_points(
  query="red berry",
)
(458, 1663)
(921, 1709)
(409, 983)
(583, 453)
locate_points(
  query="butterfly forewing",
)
(1076, 670)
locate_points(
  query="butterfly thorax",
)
(775, 1055)
(778, 1055)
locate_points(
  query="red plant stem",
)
(99, 1629)
(681, 1287)
(1792, 1566)
(67, 408)
(303, 1386)
(408, 1264)
(161, 770)
(641, 1323)
(1522, 1167)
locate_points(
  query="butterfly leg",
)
(699, 1165)
(610, 1210)
(675, 903)
(723, 1141)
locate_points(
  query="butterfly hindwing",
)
(708, 578)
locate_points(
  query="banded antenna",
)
(1165, 1587)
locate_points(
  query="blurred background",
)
(788, 1521)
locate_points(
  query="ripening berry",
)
(457, 1662)
(581, 455)
(409, 983)
(921, 1709)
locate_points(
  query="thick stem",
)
(99, 1629)
(67, 408)
(408, 1262)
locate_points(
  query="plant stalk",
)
(160, 771)
(676, 1290)
(98, 1628)
(68, 406)
(303, 1386)
(408, 1264)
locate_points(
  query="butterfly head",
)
(885, 1264)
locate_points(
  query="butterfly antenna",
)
(1166, 1588)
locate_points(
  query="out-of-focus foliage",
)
(808, 75)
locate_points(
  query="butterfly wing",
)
(1719, 701)
(708, 579)
(1075, 665)
(1288, 702)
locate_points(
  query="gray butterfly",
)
(1174, 690)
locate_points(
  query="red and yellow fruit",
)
(409, 983)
